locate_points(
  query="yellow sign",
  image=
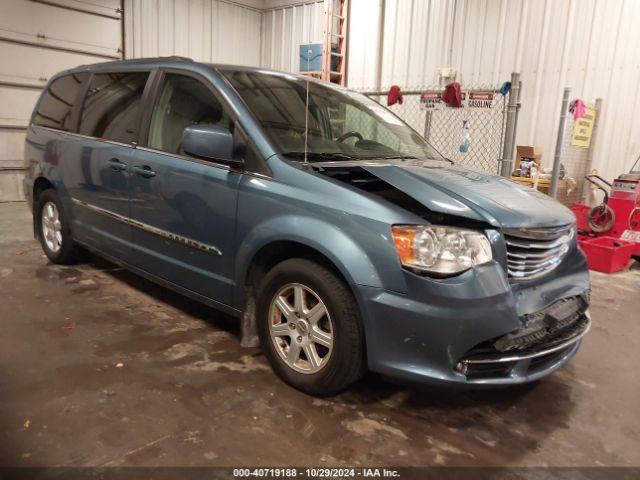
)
(583, 128)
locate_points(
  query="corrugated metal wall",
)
(206, 30)
(590, 45)
(222, 31)
(37, 40)
(284, 29)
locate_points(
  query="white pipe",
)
(294, 48)
(452, 27)
(542, 51)
(409, 42)
(283, 40)
(498, 55)
(568, 41)
(522, 33)
(612, 90)
(586, 88)
(464, 14)
(273, 39)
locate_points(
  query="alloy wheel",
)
(51, 227)
(300, 328)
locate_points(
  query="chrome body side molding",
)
(149, 228)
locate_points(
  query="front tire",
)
(309, 327)
(52, 227)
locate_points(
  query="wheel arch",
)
(277, 251)
(40, 184)
(279, 239)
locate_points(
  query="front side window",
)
(54, 110)
(112, 106)
(183, 101)
(331, 122)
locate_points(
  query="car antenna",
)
(306, 111)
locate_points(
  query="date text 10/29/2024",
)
(321, 473)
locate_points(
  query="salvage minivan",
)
(341, 238)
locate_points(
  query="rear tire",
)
(53, 230)
(322, 331)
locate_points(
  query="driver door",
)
(183, 209)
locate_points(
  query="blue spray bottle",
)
(466, 137)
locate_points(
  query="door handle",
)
(144, 171)
(117, 165)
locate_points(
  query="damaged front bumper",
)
(477, 328)
(538, 357)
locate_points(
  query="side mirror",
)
(208, 142)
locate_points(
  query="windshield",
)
(341, 124)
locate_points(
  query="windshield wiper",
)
(391, 157)
(412, 157)
(321, 155)
(328, 156)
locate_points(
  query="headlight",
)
(440, 250)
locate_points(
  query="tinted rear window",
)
(54, 110)
(112, 106)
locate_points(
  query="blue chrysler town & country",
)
(342, 239)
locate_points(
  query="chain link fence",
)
(472, 135)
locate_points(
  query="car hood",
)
(453, 190)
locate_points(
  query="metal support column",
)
(557, 159)
(427, 124)
(510, 128)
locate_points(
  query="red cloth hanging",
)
(394, 96)
(452, 95)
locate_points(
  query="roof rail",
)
(151, 59)
(141, 60)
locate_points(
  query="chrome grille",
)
(532, 252)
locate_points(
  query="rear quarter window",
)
(56, 104)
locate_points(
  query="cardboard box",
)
(528, 152)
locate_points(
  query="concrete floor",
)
(98, 367)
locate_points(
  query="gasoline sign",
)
(480, 100)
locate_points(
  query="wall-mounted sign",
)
(583, 128)
(480, 100)
(430, 101)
